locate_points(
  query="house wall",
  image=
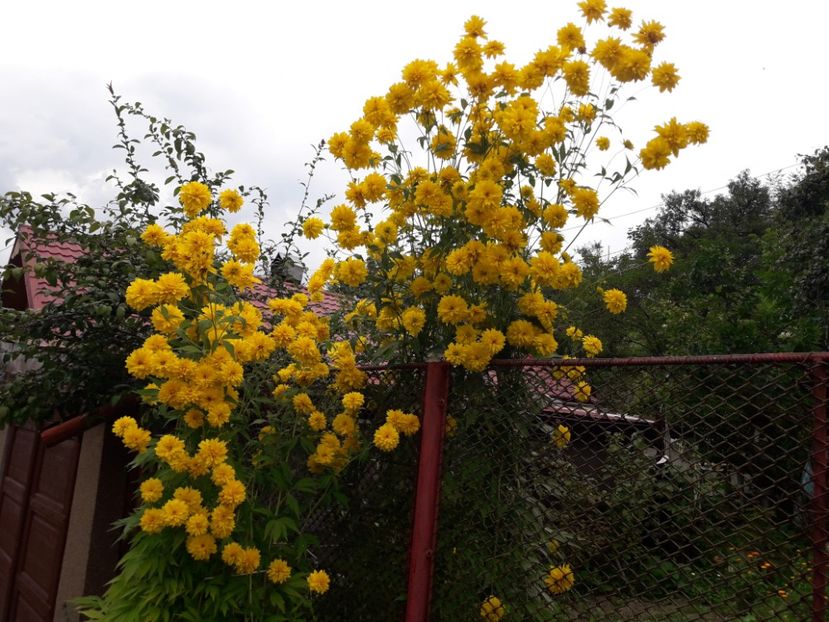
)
(79, 534)
(102, 495)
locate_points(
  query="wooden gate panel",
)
(44, 535)
(21, 451)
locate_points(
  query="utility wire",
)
(658, 205)
(702, 193)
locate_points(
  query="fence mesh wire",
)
(617, 493)
(364, 542)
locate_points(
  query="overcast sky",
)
(260, 82)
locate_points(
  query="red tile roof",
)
(39, 293)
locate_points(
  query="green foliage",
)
(74, 348)
(750, 272)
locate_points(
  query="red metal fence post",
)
(427, 492)
(820, 503)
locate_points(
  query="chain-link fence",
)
(669, 489)
(364, 540)
(657, 489)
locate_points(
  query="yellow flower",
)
(318, 581)
(142, 293)
(171, 287)
(561, 437)
(122, 424)
(603, 143)
(151, 490)
(494, 340)
(413, 320)
(222, 521)
(546, 165)
(545, 344)
(560, 579)
(665, 77)
(586, 113)
(223, 473)
(232, 552)
(521, 333)
(615, 300)
(593, 10)
(344, 424)
(198, 524)
(279, 571)
(443, 145)
(312, 228)
(661, 258)
(137, 439)
(474, 26)
(452, 310)
(175, 512)
(239, 275)
(404, 423)
(697, 132)
(353, 401)
(248, 561)
(621, 18)
(582, 391)
(674, 134)
(167, 446)
(386, 437)
(232, 493)
(343, 218)
(592, 345)
(194, 197)
(570, 37)
(317, 421)
(154, 235)
(586, 202)
(649, 34)
(230, 200)
(577, 76)
(544, 267)
(213, 451)
(166, 319)
(152, 520)
(302, 403)
(655, 154)
(201, 547)
(351, 272)
(492, 610)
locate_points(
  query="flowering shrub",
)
(464, 264)
(456, 251)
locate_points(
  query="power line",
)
(703, 193)
(645, 209)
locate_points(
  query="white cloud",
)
(260, 82)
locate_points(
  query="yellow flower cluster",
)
(134, 437)
(387, 436)
(195, 365)
(670, 139)
(470, 248)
